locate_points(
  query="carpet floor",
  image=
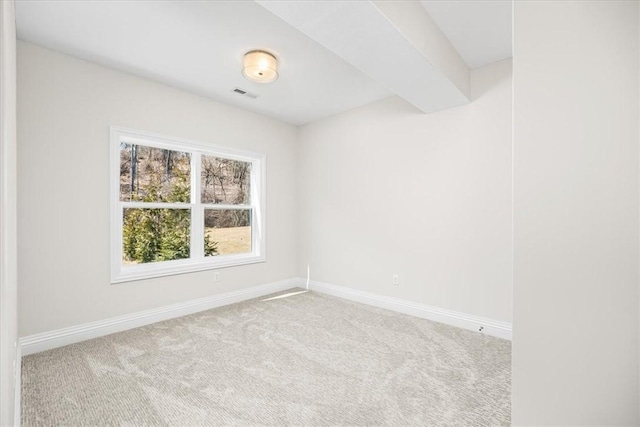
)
(305, 360)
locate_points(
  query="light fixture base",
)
(260, 66)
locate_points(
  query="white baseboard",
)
(461, 320)
(45, 341)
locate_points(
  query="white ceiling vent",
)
(245, 93)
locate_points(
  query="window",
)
(180, 206)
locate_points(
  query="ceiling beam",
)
(396, 43)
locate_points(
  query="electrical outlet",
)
(216, 277)
(395, 281)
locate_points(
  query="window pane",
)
(227, 231)
(151, 235)
(150, 174)
(225, 181)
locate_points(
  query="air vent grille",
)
(244, 93)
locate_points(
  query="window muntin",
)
(180, 206)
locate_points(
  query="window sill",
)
(171, 268)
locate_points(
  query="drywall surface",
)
(9, 353)
(65, 108)
(387, 190)
(575, 326)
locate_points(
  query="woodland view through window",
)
(182, 206)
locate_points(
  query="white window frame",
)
(197, 261)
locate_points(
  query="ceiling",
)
(479, 30)
(198, 46)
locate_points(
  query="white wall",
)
(385, 189)
(575, 326)
(9, 363)
(65, 108)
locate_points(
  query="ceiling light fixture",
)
(260, 66)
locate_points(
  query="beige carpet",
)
(305, 360)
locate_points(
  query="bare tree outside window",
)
(149, 174)
(227, 182)
(180, 206)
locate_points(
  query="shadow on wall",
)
(489, 80)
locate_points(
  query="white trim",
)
(197, 261)
(170, 268)
(9, 363)
(197, 214)
(461, 320)
(151, 139)
(45, 341)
